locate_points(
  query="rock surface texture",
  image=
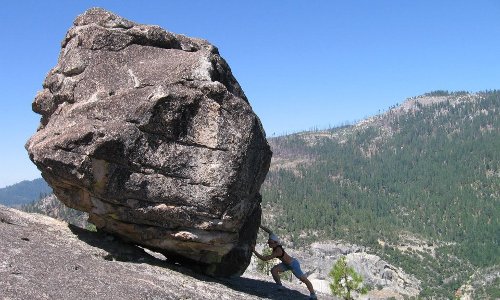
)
(387, 281)
(43, 258)
(150, 133)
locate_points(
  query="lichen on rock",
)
(149, 132)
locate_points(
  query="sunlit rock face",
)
(149, 132)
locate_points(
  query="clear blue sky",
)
(301, 63)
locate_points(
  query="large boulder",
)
(149, 132)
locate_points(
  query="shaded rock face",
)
(150, 133)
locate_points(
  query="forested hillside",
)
(24, 192)
(52, 207)
(427, 170)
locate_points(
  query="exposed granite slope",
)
(43, 258)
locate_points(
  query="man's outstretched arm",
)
(266, 229)
(264, 257)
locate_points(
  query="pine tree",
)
(345, 280)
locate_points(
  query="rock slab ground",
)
(43, 258)
(150, 133)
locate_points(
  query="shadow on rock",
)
(119, 250)
(261, 288)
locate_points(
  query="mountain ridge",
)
(428, 167)
(24, 192)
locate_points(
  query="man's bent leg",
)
(275, 271)
(309, 285)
